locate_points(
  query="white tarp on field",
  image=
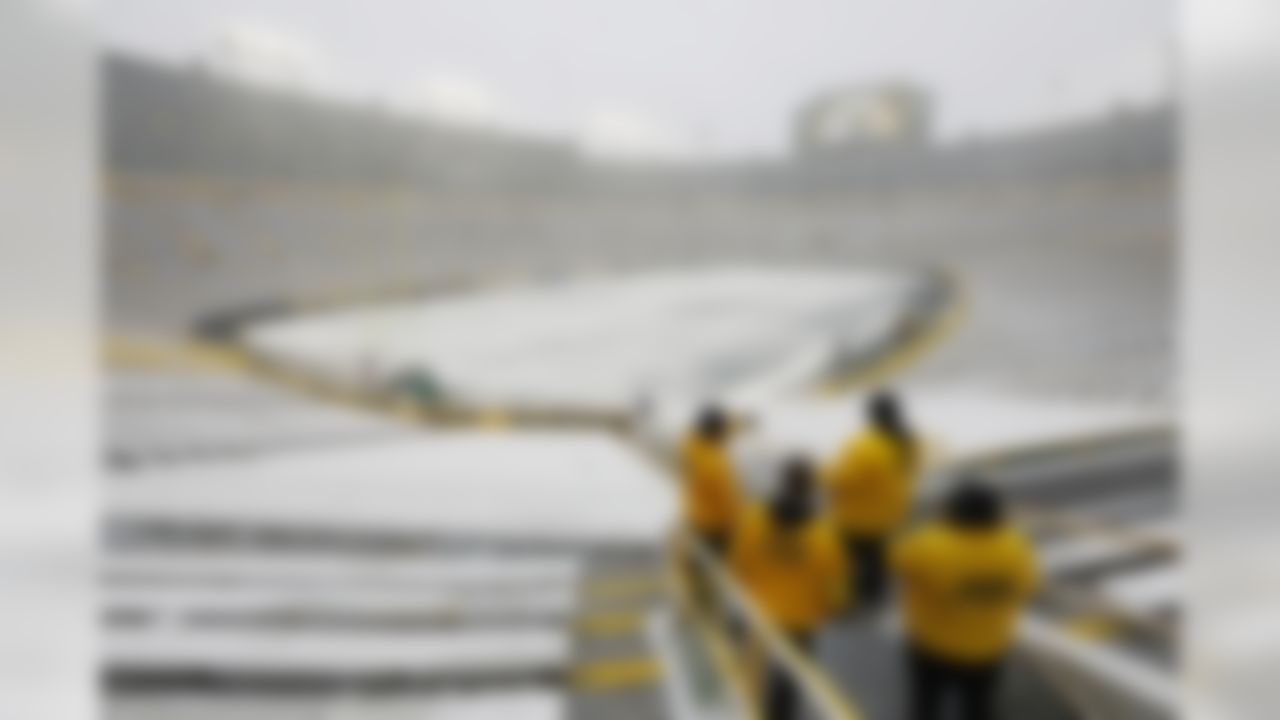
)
(605, 342)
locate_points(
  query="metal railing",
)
(1102, 683)
(1076, 525)
(744, 643)
(1147, 545)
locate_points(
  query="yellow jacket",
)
(710, 486)
(869, 484)
(797, 577)
(963, 589)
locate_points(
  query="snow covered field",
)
(755, 339)
(606, 342)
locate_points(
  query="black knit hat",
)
(884, 406)
(974, 504)
(713, 422)
(793, 501)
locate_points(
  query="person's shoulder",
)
(874, 444)
(928, 537)
(1019, 541)
(1009, 534)
(915, 549)
(690, 440)
(824, 522)
(865, 437)
(694, 446)
(824, 528)
(752, 518)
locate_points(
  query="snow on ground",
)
(327, 572)
(578, 486)
(1146, 591)
(517, 703)
(448, 652)
(247, 603)
(175, 587)
(174, 415)
(605, 342)
(450, 609)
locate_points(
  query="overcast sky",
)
(717, 77)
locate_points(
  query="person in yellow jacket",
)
(965, 580)
(710, 483)
(870, 483)
(790, 560)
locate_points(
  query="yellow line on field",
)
(146, 353)
(495, 419)
(925, 339)
(604, 624)
(616, 673)
(620, 587)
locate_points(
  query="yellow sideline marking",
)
(494, 419)
(941, 326)
(620, 587)
(145, 353)
(605, 624)
(616, 673)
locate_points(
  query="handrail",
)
(1144, 690)
(710, 633)
(1136, 540)
(1081, 526)
(1152, 430)
(812, 682)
